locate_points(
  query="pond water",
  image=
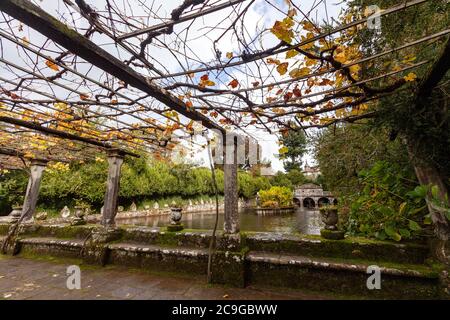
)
(303, 221)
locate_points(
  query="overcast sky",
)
(261, 15)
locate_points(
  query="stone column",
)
(231, 219)
(115, 161)
(34, 182)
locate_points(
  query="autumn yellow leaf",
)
(209, 83)
(52, 65)
(291, 53)
(273, 61)
(229, 55)
(282, 68)
(283, 29)
(283, 150)
(299, 72)
(410, 77)
(308, 37)
(308, 26)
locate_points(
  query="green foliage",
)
(390, 205)
(276, 197)
(344, 151)
(12, 188)
(142, 179)
(290, 179)
(250, 185)
(294, 143)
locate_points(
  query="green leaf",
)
(381, 235)
(435, 192)
(427, 219)
(401, 209)
(447, 214)
(390, 231)
(405, 233)
(414, 226)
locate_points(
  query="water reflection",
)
(304, 221)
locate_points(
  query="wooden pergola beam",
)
(60, 134)
(38, 19)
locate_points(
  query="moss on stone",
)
(348, 248)
(4, 227)
(332, 234)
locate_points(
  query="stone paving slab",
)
(22, 278)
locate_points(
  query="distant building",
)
(311, 172)
(311, 196)
(267, 172)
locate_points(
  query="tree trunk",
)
(427, 174)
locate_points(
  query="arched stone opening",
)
(323, 201)
(309, 203)
(297, 202)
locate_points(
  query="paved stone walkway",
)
(22, 278)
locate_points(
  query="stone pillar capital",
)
(115, 153)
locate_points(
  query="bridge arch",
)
(309, 203)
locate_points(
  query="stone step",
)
(158, 258)
(343, 276)
(349, 248)
(67, 248)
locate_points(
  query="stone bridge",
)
(312, 196)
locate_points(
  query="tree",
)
(343, 152)
(294, 147)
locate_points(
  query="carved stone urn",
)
(175, 218)
(175, 215)
(329, 216)
(79, 216)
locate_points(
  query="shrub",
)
(390, 206)
(279, 196)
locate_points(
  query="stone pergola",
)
(127, 74)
